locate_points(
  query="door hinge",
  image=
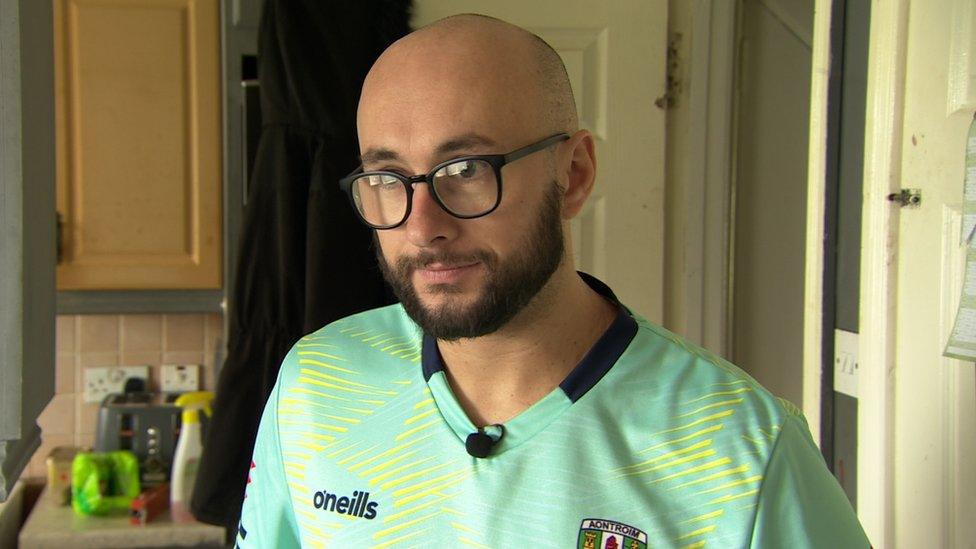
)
(907, 198)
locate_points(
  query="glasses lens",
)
(380, 198)
(467, 187)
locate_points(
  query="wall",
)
(773, 79)
(770, 193)
(85, 341)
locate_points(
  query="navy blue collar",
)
(597, 362)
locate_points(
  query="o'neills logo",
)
(357, 505)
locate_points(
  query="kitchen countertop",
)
(54, 526)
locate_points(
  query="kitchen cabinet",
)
(134, 105)
(138, 130)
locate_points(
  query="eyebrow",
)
(461, 143)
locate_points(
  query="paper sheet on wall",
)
(962, 342)
(969, 187)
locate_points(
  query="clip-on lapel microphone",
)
(480, 443)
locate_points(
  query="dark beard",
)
(509, 287)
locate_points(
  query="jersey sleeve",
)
(800, 502)
(267, 518)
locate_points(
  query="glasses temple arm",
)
(535, 147)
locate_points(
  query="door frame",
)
(817, 166)
(702, 244)
(882, 167)
(879, 236)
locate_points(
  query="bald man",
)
(508, 400)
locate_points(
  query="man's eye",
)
(382, 181)
(465, 169)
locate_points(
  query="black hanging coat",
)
(305, 260)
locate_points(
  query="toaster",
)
(146, 424)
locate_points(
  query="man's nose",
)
(428, 223)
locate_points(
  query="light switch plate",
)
(102, 381)
(180, 378)
(845, 363)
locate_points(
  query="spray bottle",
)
(188, 451)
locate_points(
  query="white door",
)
(917, 409)
(615, 55)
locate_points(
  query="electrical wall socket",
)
(100, 382)
(846, 363)
(180, 378)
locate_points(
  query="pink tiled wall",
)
(85, 341)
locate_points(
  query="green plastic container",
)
(103, 483)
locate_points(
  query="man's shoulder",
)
(699, 383)
(390, 318)
(373, 338)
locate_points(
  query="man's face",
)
(507, 286)
(426, 102)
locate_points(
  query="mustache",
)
(407, 264)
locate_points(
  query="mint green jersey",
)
(649, 442)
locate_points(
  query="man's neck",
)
(497, 376)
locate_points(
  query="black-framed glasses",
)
(465, 187)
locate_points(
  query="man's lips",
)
(444, 273)
(446, 267)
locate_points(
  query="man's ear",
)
(581, 172)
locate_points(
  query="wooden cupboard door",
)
(138, 143)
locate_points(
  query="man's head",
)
(475, 85)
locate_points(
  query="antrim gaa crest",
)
(607, 534)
